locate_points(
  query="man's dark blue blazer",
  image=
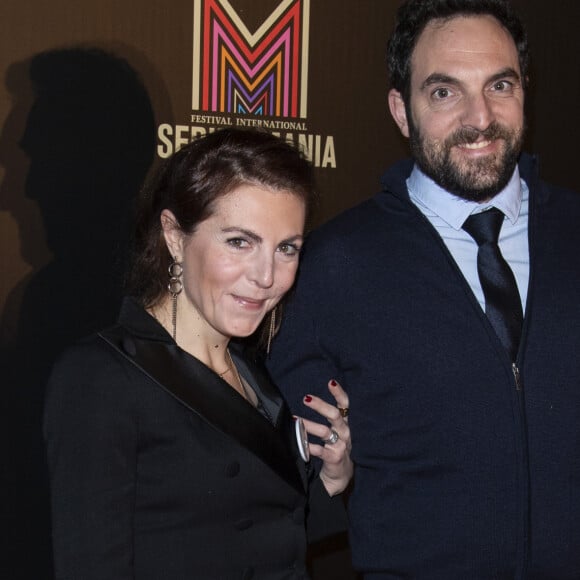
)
(461, 474)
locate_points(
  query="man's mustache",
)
(468, 135)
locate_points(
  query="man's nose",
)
(478, 112)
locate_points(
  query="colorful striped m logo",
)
(263, 73)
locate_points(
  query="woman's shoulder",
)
(91, 352)
(91, 372)
(99, 356)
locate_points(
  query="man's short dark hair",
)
(414, 15)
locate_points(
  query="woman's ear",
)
(398, 111)
(172, 234)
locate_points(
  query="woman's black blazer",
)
(162, 471)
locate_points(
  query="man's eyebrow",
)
(507, 72)
(441, 78)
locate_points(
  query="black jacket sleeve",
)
(91, 436)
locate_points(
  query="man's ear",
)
(172, 234)
(398, 111)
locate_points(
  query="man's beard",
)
(474, 180)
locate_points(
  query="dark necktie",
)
(503, 305)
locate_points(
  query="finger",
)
(341, 398)
(317, 429)
(331, 454)
(328, 411)
(316, 450)
(333, 413)
(332, 460)
(323, 432)
(338, 393)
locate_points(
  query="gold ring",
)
(343, 411)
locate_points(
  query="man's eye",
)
(441, 93)
(502, 86)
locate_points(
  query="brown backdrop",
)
(85, 87)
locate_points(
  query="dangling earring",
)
(175, 286)
(272, 328)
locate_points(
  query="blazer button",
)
(244, 524)
(128, 345)
(232, 469)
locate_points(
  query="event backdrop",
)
(97, 92)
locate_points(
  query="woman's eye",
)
(238, 243)
(288, 249)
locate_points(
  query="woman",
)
(171, 454)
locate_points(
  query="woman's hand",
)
(337, 466)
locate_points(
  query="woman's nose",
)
(262, 271)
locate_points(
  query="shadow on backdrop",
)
(75, 148)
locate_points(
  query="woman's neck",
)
(194, 336)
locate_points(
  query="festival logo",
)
(261, 74)
(250, 79)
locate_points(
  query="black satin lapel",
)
(270, 396)
(275, 405)
(204, 393)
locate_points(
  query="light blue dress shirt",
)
(447, 213)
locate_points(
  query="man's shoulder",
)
(373, 211)
(545, 192)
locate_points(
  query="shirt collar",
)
(452, 209)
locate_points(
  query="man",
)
(465, 421)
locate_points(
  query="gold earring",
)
(272, 329)
(174, 287)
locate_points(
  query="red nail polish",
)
(307, 399)
(333, 383)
